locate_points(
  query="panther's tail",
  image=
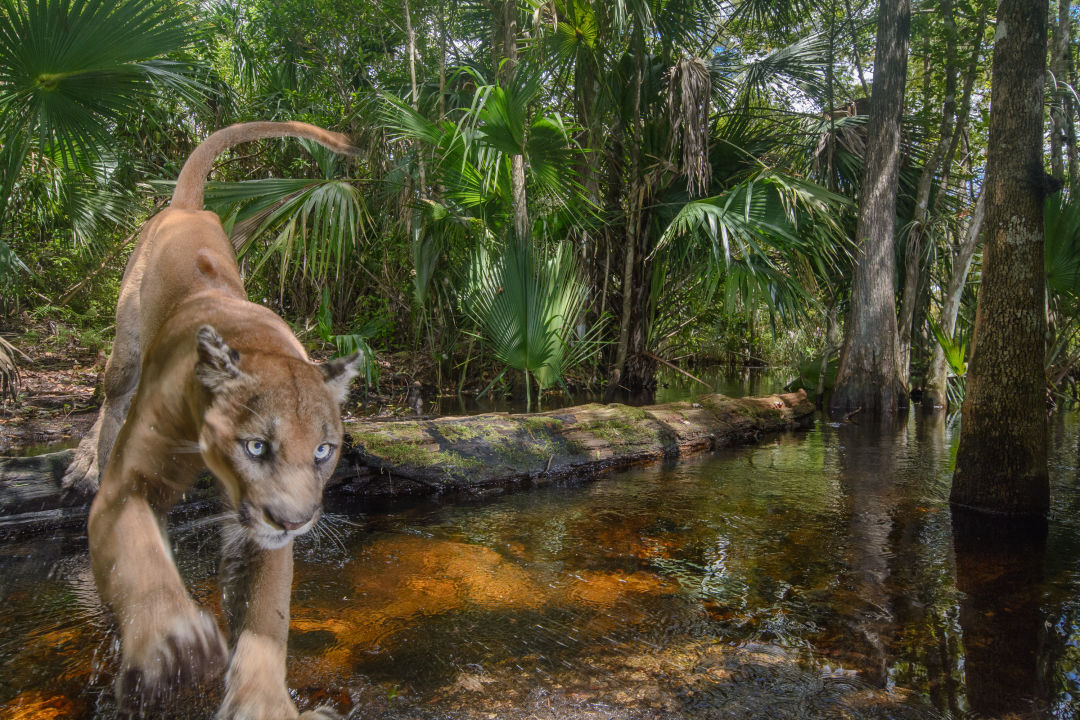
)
(188, 194)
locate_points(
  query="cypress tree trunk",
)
(934, 393)
(869, 376)
(1001, 461)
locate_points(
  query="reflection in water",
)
(868, 482)
(813, 576)
(998, 563)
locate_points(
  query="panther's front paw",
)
(248, 702)
(259, 704)
(83, 474)
(156, 661)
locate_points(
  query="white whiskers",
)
(333, 529)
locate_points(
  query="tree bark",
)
(934, 394)
(832, 342)
(442, 59)
(975, 64)
(869, 376)
(1001, 460)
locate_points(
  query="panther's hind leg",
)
(121, 378)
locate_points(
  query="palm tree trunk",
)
(934, 394)
(517, 162)
(415, 96)
(1001, 460)
(913, 256)
(832, 342)
(869, 375)
(442, 59)
(634, 210)
(971, 74)
(1059, 71)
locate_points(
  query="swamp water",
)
(813, 576)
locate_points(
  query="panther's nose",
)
(281, 520)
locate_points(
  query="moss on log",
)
(477, 452)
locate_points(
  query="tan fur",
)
(197, 375)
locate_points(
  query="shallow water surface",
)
(813, 576)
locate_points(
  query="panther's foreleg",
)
(257, 584)
(165, 640)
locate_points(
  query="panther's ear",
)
(217, 365)
(339, 372)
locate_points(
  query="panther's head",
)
(271, 434)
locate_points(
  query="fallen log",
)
(472, 453)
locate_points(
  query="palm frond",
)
(348, 343)
(10, 265)
(70, 69)
(766, 14)
(315, 224)
(954, 348)
(758, 236)
(1062, 251)
(528, 307)
(798, 67)
(9, 373)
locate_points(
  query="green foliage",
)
(528, 307)
(753, 236)
(714, 180)
(348, 343)
(70, 72)
(955, 350)
(71, 69)
(1062, 260)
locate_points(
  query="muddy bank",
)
(453, 454)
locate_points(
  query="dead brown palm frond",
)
(689, 88)
(9, 372)
(842, 129)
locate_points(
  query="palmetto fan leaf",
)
(527, 307)
(471, 159)
(773, 13)
(1062, 263)
(71, 68)
(9, 264)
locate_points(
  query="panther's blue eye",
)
(255, 447)
(323, 451)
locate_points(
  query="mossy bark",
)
(418, 457)
(496, 449)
